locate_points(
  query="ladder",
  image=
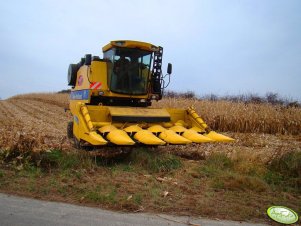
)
(156, 72)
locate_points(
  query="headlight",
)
(154, 48)
(119, 43)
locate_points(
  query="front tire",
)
(76, 143)
(70, 130)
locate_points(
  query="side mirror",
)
(169, 68)
(88, 59)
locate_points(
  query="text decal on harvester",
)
(80, 94)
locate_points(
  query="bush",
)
(64, 160)
(226, 173)
(286, 170)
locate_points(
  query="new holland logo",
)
(95, 85)
(80, 80)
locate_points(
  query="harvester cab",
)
(111, 101)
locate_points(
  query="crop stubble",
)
(34, 122)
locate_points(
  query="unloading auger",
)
(111, 101)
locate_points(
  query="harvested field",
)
(33, 123)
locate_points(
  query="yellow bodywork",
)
(99, 125)
(130, 44)
(94, 125)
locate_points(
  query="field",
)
(36, 122)
(228, 181)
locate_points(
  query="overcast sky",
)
(220, 47)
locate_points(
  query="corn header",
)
(111, 101)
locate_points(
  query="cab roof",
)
(131, 44)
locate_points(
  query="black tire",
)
(70, 130)
(76, 143)
(72, 74)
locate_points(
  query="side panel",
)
(98, 73)
(99, 113)
(81, 91)
(82, 81)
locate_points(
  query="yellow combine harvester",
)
(111, 97)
